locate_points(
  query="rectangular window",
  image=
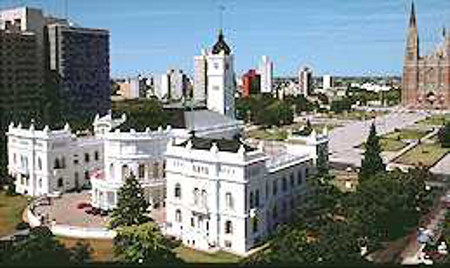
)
(141, 171)
(192, 222)
(275, 187)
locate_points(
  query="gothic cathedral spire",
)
(412, 46)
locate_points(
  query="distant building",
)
(426, 79)
(200, 77)
(305, 81)
(80, 56)
(161, 86)
(327, 82)
(266, 72)
(133, 88)
(177, 84)
(251, 83)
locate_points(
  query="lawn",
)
(406, 134)
(426, 154)
(102, 248)
(389, 145)
(193, 256)
(435, 120)
(103, 252)
(355, 115)
(11, 209)
(280, 134)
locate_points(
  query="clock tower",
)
(221, 85)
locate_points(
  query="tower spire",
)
(412, 18)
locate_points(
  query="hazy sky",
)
(341, 37)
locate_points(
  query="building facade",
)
(251, 83)
(305, 81)
(80, 57)
(44, 162)
(226, 195)
(266, 72)
(327, 82)
(426, 79)
(21, 79)
(221, 79)
(200, 77)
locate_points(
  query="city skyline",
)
(338, 38)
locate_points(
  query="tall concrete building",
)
(80, 56)
(426, 79)
(21, 79)
(221, 83)
(177, 84)
(305, 81)
(327, 81)
(200, 77)
(266, 72)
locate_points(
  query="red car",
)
(83, 205)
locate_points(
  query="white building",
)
(221, 85)
(266, 72)
(161, 86)
(140, 153)
(225, 195)
(49, 161)
(305, 81)
(327, 82)
(177, 84)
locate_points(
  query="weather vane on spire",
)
(221, 11)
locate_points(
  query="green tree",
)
(444, 135)
(131, 204)
(80, 253)
(339, 106)
(41, 247)
(372, 163)
(144, 244)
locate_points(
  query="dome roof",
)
(221, 45)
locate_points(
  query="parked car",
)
(83, 205)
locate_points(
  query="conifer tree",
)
(372, 161)
(131, 205)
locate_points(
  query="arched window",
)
(125, 172)
(178, 215)
(292, 180)
(86, 157)
(196, 195)
(141, 171)
(204, 197)
(111, 171)
(56, 165)
(60, 182)
(229, 200)
(228, 227)
(96, 156)
(284, 184)
(299, 177)
(40, 183)
(177, 190)
(275, 187)
(39, 163)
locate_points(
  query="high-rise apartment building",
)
(305, 81)
(327, 81)
(177, 84)
(161, 84)
(200, 77)
(20, 75)
(266, 72)
(80, 56)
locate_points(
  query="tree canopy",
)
(372, 163)
(131, 204)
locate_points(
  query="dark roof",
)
(221, 45)
(222, 144)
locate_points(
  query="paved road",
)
(343, 140)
